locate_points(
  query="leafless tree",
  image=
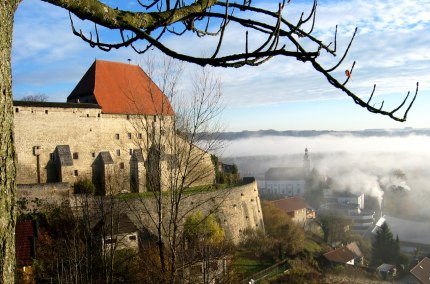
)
(277, 36)
(177, 163)
(35, 98)
(85, 241)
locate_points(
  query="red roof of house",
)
(291, 204)
(422, 270)
(343, 254)
(121, 89)
(24, 238)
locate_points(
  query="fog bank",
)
(361, 165)
(275, 145)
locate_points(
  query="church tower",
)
(306, 163)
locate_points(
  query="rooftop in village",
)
(422, 271)
(344, 254)
(291, 204)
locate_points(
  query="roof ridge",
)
(115, 62)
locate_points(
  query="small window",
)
(118, 152)
(128, 116)
(130, 151)
(121, 166)
(93, 154)
(36, 150)
(88, 115)
(132, 238)
(75, 156)
(16, 109)
(117, 136)
(46, 111)
(76, 173)
(129, 135)
(98, 115)
(139, 135)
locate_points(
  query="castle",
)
(117, 129)
(116, 122)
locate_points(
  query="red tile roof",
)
(291, 204)
(343, 254)
(121, 89)
(24, 238)
(422, 271)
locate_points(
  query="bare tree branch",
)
(212, 18)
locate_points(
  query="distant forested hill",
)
(313, 133)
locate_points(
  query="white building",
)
(288, 181)
(350, 206)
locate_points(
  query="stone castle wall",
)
(236, 209)
(31, 197)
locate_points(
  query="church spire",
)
(306, 162)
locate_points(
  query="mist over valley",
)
(393, 163)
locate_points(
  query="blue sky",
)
(392, 49)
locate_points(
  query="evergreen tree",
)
(384, 248)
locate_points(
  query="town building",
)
(386, 271)
(117, 231)
(297, 208)
(344, 197)
(287, 181)
(421, 271)
(419, 274)
(349, 254)
(350, 206)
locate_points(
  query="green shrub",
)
(84, 186)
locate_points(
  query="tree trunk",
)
(7, 150)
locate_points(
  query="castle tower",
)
(306, 162)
